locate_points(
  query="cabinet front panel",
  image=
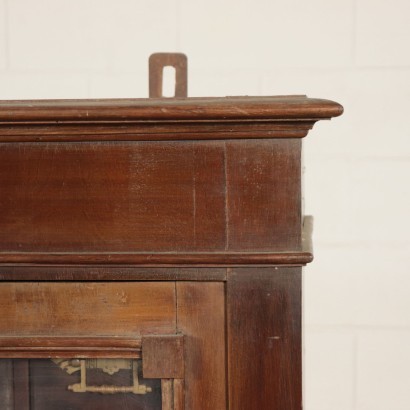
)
(112, 196)
(94, 309)
(82, 198)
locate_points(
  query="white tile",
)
(263, 34)
(119, 86)
(42, 86)
(374, 123)
(89, 34)
(3, 35)
(357, 287)
(383, 33)
(220, 83)
(329, 370)
(359, 202)
(377, 111)
(383, 370)
(200, 84)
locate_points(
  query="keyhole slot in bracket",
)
(157, 63)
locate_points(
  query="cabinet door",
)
(99, 345)
(55, 384)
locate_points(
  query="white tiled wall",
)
(357, 291)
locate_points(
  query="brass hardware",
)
(109, 366)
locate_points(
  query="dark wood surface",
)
(154, 131)
(163, 356)
(40, 347)
(116, 197)
(201, 318)
(180, 218)
(21, 272)
(264, 211)
(67, 262)
(74, 309)
(264, 338)
(166, 109)
(163, 203)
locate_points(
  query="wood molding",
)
(197, 259)
(165, 109)
(69, 347)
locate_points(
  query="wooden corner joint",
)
(163, 357)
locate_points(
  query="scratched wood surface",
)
(201, 318)
(87, 309)
(201, 191)
(263, 195)
(264, 338)
(167, 109)
(136, 202)
(112, 197)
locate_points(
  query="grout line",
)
(355, 328)
(366, 245)
(355, 370)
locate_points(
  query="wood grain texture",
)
(194, 109)
(263, 195)
(129, 196)
(163, 356)
(201, 318)
(167, 392)
(264, 338)
(116, 197)
(179, 394)
(154, 131)
(41, 347)
(108, 273)
(87, 309)
(160, 260)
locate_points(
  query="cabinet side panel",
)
(201, 318)
(263, 195)
(264, 338)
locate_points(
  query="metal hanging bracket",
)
(157, 62)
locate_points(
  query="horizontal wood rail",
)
(217, 259)
(69, 347)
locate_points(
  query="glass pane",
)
(72, 384)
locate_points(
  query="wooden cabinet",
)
(151, 251)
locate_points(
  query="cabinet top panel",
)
(212, 109)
